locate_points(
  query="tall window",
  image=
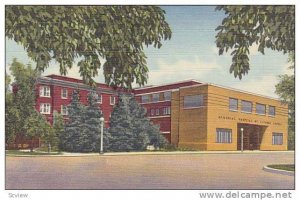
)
(246, 106)
(157, 111)
(152, 112)
(223, 135)
(155, 97)
(272, 110)
(167, 96)
(45, 108)
(233, 104)
(277, 138)
(167, 111)
(99, 98)
(145, 98)
(193, 101)
(112, 100)
(64, 93)
(64, 110)
(44, 91)
(260, 109)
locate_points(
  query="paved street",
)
(184, 171)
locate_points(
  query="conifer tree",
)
(130, 129)
(58, 128)
(121, 127)
(71, 139)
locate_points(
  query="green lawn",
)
(283, 167)
(17, 152)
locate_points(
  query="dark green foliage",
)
(19, 105)
(58, 129)
(82, 132)
(270, 27)
(36, 126)
(71, 139)
(286, 91)
(115, 33)
(130, 129)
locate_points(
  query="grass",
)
(283, 167)
(17, 152)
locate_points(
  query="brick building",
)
(190, 114)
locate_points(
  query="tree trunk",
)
(31, 145)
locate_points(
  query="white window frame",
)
(64, 110)
(223, 135)
(256, 110)
(62, 93)
(155, 95)
(277, 138)
(99, 100)
(157, 111)
(45, 108)
(152, 111)
(145, 98)
(45, 91)
(170, 96)
(244, 111)
(167, 110)
(112, 100)
(237, 104)
(274, 111)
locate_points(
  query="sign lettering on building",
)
(247, 120)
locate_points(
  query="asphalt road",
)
(193, 171)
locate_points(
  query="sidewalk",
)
(68, 154)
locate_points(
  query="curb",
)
(151, 153)
(278, 171)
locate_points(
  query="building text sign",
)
(247, 120)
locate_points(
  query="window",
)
(64, 110)
(155, 97)
(223, 135)
(99, 99)
(167, 96)
(152, 112)
(112, 100)
(272, 110)
(233, 104)
(246, 106)
(193, 101)
(64, 93)
(145, 98)
(44, 91)
(45, 108)
(260, 109)
(277, 139)
(167, 111)
(157, 111)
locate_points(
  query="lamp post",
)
(242, 139)
(101, 134)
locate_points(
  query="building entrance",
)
(252, 136)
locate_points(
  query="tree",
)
(19, 104)
(71, 139)
(58, 129)
(286, 91)
(37, 126)
(130, 129)
(270, 27)
(116, 33)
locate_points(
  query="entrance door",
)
(252, 135)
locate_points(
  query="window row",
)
(45, 92)
(155, 97)
(246, 106)
(224, 135)
(45, 108)
(158, 111)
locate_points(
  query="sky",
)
(191, 54)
